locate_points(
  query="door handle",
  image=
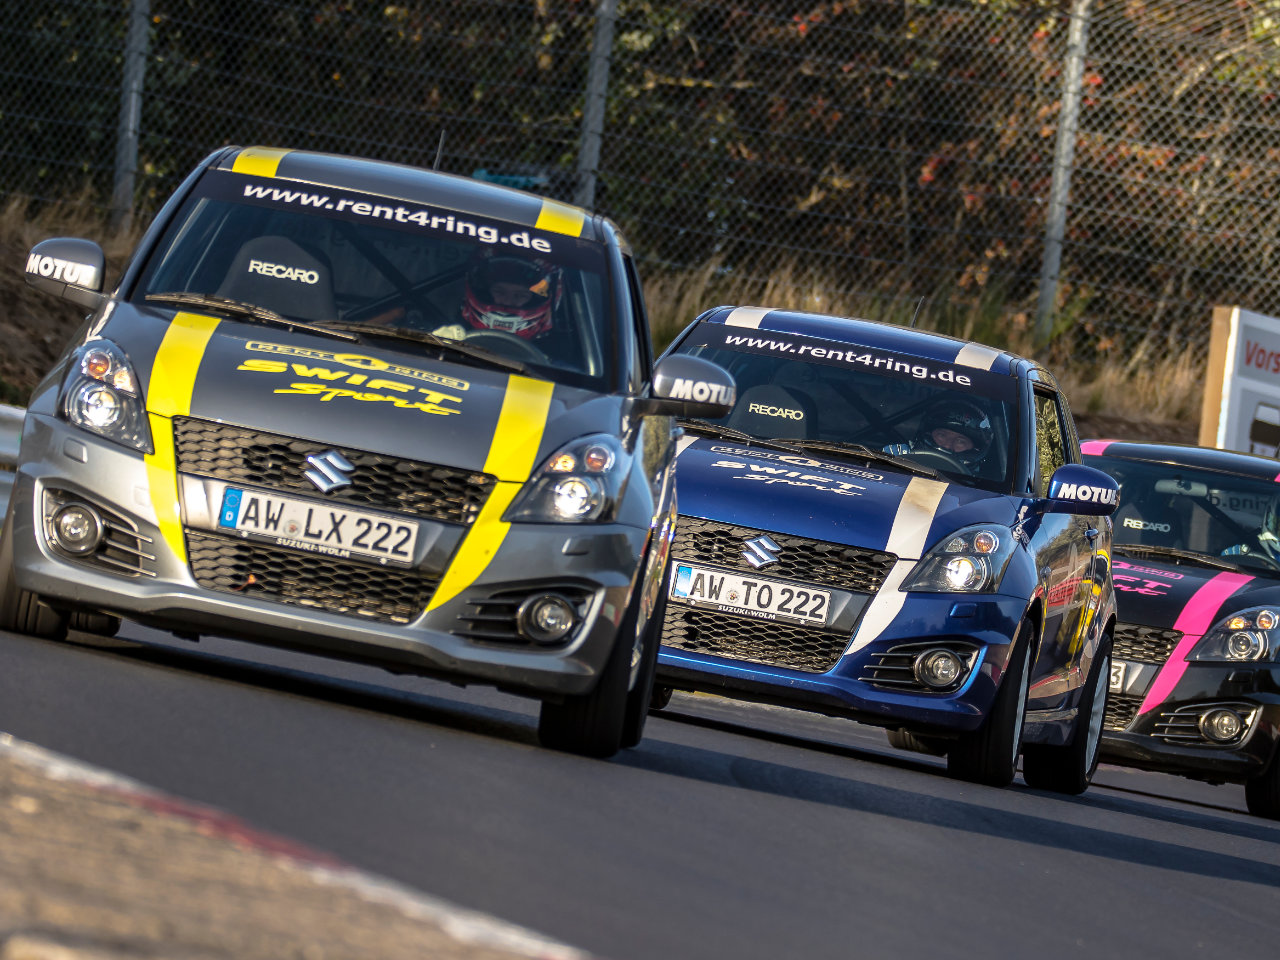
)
(1091, 534)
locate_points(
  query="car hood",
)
(827, 498)
(1183, 596)
(355, 395)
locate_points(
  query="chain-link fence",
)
(882, 151)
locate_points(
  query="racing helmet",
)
(958, 416)
(509, 293)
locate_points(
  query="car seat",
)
(276, 273)
(768, 410)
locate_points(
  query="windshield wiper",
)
(867, 453)
(430, 339)
(1176, 553)
(733, 433)
(241, 308)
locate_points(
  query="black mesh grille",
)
(237, 455)
(307, 579)
(811, 561)
(1143, 644)
(757, 641)
(1121, 709)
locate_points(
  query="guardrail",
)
(10, 435)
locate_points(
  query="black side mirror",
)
(69, 268)
(1075, 488)
(690, 387)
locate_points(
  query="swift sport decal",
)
(340, 381)
(173, 378)
(1196, 617)
(907, 537)
(358, 362)
(762, 473)
(795, 460)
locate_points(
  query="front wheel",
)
(990, 754)
(1069, 768)
(1262, 794)
(906, 740)
(640, 698)
(21, 610)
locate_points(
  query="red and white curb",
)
(466, 926)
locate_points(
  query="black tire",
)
(21, 610)
(1069, 768)
(100, 624)
(990, 754)
(905, 740)
(591, 724)
(1262, 794)
(641, 695)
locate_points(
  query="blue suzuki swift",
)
(894, 527)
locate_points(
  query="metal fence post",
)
(593, 109)
(135, 67)
(1064, 153)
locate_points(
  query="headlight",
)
(100, 394)
(1252, 634)
(971, 560)
(579, 483)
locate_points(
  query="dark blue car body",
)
(855, 525)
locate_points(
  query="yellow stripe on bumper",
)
(511, 459)
(173, 378)
(560, 218)
(258, 161)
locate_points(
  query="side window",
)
(1051, 443)
(643, 337)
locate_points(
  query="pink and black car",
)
(1195, 674)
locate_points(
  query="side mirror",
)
(68, 268)
(686, 386)
(1075, 488)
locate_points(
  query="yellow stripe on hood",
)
(511, 459)
(173, 378)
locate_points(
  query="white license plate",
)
(1117, 676)
(752, 596)
(318, 528)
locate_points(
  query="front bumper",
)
(1165, 736)
(987, 624)
(596, 565)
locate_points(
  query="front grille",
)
(123, 549)
(756, 641)
(1121, 709)
(811, 561)
(492, 619)
(241, 456)
(247, 569)
(895, 668)
(1133, 641)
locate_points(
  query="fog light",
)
(77, 528)
(547, 618)
(938, 668)
(1222, 726)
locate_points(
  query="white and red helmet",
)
(510, 293)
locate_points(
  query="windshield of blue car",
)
(334, 257)
(954, 419)
(1172, 506)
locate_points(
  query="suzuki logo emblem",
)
(328, 471)
(761, 551)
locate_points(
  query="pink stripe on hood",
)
(1196, 617)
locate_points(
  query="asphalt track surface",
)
(733, 831)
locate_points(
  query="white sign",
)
(1242, 392)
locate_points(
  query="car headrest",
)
(768, 410)
(276, 273)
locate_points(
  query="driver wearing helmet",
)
(1267, 541)
(957, 429)
(509, 294)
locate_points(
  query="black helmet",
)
(960, 416)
